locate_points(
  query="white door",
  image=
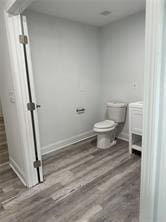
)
(21, 70)
(33, 106)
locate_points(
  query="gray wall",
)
(122, 47)
(66, 62)
(79, 65)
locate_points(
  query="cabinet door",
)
(136, 121)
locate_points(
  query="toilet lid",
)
(105, 124)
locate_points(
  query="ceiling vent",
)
(105, 13)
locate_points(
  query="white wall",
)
(122, 45)
(79, 65)
(66, 63)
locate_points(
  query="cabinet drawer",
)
(136, 121)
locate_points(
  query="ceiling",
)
(89, 11)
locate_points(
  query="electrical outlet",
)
(11, 97)
(134, 85)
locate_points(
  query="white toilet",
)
(108, 130)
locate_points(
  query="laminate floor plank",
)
(83, 184)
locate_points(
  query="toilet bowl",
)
(108, 130)
(104, 130)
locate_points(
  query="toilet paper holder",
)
(80, 110)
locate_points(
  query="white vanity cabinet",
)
(135, 126)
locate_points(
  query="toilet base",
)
(103, 141)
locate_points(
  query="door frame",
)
(153, 106)
(153, 110)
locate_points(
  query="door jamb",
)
(16, 7)
(152, 108)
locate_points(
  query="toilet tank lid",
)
(116, 104)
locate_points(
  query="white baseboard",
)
(124, 136)
(61, 144)
(4, 164)
(18, 171)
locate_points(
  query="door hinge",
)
(23, 39)
(31, 106)
(37, 164)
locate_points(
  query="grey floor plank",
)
(83, 184)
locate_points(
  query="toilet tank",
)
(116, 111)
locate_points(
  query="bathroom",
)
(78, 69)
(82, 67)
(79, 66)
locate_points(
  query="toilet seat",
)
(104, 126)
